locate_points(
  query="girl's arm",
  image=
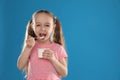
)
(24, 57)
(60, 66)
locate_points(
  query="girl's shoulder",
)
(58, 46)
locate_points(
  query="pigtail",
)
(30, 29)
(58, 34)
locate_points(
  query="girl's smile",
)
(42, 36)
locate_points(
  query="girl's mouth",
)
(42, 36)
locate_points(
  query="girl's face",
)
(43, 26)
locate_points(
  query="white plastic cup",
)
(40, 52)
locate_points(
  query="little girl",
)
(43, 56)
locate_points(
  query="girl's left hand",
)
(48, 54)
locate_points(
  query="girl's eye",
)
(38, 25)
(47, 25)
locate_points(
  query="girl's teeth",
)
(41, 37)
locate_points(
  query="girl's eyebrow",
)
(38, 22)
(45, 23)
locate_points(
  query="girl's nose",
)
(42, 28)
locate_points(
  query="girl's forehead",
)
(41, 17)
(45, 15)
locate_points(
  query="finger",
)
(48, 51)
(48, 54)
(45, 56)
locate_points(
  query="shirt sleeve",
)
(62, 53)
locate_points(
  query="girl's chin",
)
(43, 40)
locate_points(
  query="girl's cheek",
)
(37, 30)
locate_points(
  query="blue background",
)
(91, 29)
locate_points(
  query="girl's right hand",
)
(30, 42)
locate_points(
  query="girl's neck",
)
(47, 42)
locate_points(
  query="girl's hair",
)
(58, 34)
